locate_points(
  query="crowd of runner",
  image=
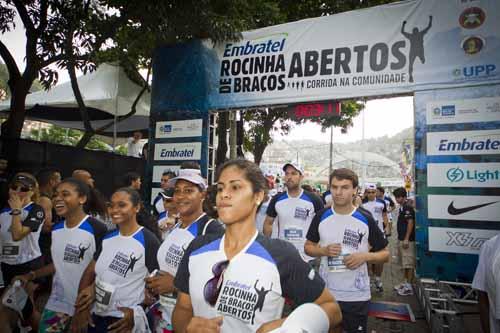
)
(222, 258)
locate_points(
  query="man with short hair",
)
(378, 210)
(294, 209)
(84, 176)
(406, 241)
(346, 239)
(134, 145)
(159, 208)
(133, 180)
(389, 204)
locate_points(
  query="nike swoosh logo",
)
(457, 211)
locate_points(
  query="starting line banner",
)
(389, 49)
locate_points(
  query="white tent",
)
(107, 93)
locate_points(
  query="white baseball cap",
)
(370, 186)
(295, 166)
(190, 175)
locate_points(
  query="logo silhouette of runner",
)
(261, 295)
(360, 236)
(82, 249)
(133, 260)
(416, 39)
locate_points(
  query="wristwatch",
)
(15, 212)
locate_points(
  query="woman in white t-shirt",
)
(114, 281)
(236, 281)
(20, 226)
(189, 192)
(75, 240)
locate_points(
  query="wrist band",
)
(15, 212)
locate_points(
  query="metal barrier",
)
(445, 303)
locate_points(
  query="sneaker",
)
(407, 290)
(399, 286)
(378, 286)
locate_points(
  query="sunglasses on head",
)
(20, 188)
(213, 286)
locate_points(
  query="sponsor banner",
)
(456, 240)
(486, 142)
(158, 170)
(179, 129)
(464, 207)
(177, 151)
(463, 175)
(463, 111)
(154, 193)
(388, 49)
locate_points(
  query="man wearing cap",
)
(378, 209)
(294, 208)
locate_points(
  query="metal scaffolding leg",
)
(444, 304)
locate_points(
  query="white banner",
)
(486, 142)
(179, 129)
(464, 207)
(177, 151)
(463, 175)
(388, 49)
(463, 111)
(158, 170)
(456, 240)
(154, 193)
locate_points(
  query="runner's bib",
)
(103, 294)
(10, 250)
(294, 234)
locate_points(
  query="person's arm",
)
(46, 204)
(429, 26)
(484, 311)
(183, 312)
(386, 221)
(20, 229)
(268, 226)
(327, 302)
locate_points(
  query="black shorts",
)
(11, 271)
(354, 316)
(101, 323)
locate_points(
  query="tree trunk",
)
(84, 140)
(261, 141)
(220, 156)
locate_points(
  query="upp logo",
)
(475, 71)
(455, 175)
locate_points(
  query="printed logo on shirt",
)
(39, 214)
(174, 255)
(242, 301)
(123, 263)
(353, 238)
(301, 213)
(75, 254)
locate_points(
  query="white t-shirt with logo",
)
(327, 198)
(27, 249)
(377, 208)
(172, 250)
(356, 232)
(294, 216)
(487, 279)
(72, 250)
(120, 270)
(254, 284)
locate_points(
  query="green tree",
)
(66, 136)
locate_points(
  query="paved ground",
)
(392, 276)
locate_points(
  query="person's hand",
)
(332, 250)
(15, 201)
(354, 260)
(24, 279)
(81, 321)
(160, 284)
(126, 324)
(85, 299)
(204, 325)
(406, 244)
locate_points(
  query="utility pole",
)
(232, 134)
(330, 169)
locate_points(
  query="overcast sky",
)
(382, 117)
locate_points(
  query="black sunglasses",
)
(213, 286)
(20, 188)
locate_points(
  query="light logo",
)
(455, 175)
